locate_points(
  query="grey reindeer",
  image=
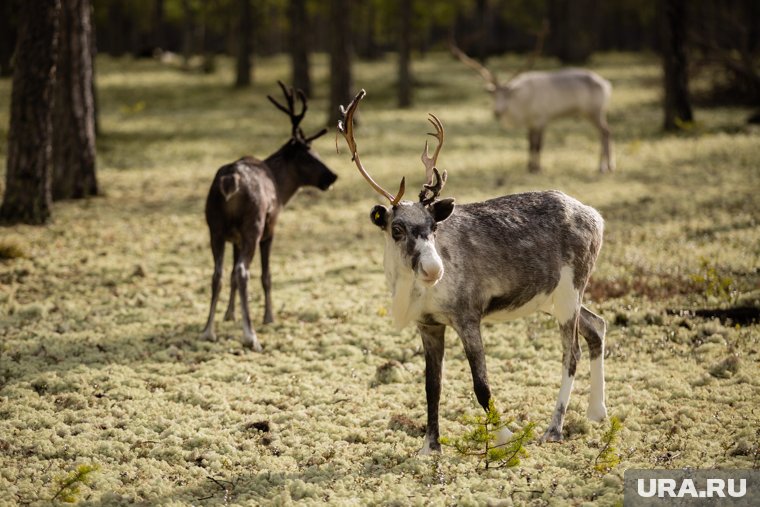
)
(500, 259)
(243, 204)
(533, 99)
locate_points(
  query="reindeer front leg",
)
(469, 333)
(433, 343)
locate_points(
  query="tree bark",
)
(245, 27)
(572, 29)
(340, 58)
(675, 64)
(404, 54)
(27, 191)
(74, 108)
(8, 29)
(299, 45)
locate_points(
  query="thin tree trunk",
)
(245, 27)
(74, 108)
(404, 55)
(299, 45)
(677, 105)
(340, 58)
(158, 25)
(27, 190)
(93, 55)
(8, 29)
(187, 34)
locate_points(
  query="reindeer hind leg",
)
(593, 328)
(217, 249)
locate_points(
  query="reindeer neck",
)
(285, 181)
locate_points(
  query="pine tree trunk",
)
(675, 63)
(27, 191)
(299, 45)
(404, 55)
(340, 58)
(245, 27)
(7, 37)
(74, 108)
(572, 29)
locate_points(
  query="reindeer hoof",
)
(229, 316)
(268, 319)
(251, 342)
(208, 335)
(552, 435)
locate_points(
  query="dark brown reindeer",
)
(499, 259)
(242, 207)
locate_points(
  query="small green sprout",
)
(607, 459)
(479, 441)
(68, 485)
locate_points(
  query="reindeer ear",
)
(490, 87)
(441, 210)
(378, 216)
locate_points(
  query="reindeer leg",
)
(217, 249)
(432, 342)
(266, 280)
(535, 139)
(606, 161)
(230, 313)
(593, 329)
(571, 352)
(469, 333)
(241, 272)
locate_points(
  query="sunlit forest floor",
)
(101, 361)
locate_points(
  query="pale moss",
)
(123, 375)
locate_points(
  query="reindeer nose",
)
(431, 273)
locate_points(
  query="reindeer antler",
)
(540, 37)
(486, 74)
(434, 181)
(346, 127)
(290, 110)
(427, 161)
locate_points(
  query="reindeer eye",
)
(397, 232)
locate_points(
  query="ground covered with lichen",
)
(100, 317)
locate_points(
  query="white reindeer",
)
(499, 259)
(533, 99)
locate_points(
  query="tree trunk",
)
(572, 29)
(340, 58)
(74, 107)
(27, 190)
(404, 55)
(245, 27)
(158, 25)
(187, 34)
(299, 45)
(677, 105)
(8, 29)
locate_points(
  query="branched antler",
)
(426, 159)
(346, 127)
(434, 187)
(290, 110)
(434, 181)
(489, 77)
(540, 37)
